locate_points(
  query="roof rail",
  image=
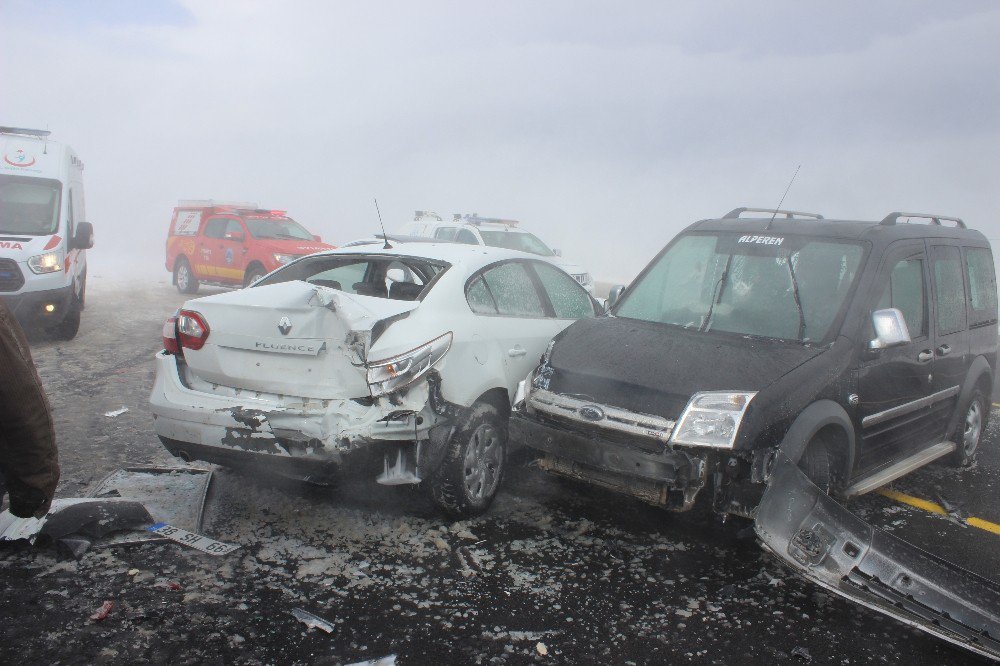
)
(935, 219)
(24, 131)
(421, 214)
(212, 203)
(475, 219)
(735, 213)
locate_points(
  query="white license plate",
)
(196, 541)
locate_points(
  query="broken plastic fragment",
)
(117, 412)
(542, 649)
(92, 517)
(103, 611)
(381, 661)
(312, 621)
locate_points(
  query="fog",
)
(604, 131)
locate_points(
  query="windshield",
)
(29, 205)
(516, 240)
(397, 278)
(790, 288)
(283, 228)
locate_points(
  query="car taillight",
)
(170, 343)
(192, 329)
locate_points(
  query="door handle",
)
(517, 351)
(925, 355)
(944, 350)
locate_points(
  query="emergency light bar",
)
(476, 220)
(421, 214)
(24, 131)
(212, 203)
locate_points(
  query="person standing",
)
(29, 461)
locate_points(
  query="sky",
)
(604, 127)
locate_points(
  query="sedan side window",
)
(467, 237)
(514, 291)
(568, 298)
(479, 297)
(905, 291)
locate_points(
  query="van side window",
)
(514, 290)
(905, 292)
(71, 222)
(216, 227)
(446, 233)
(982, 286)
(949, 288)
(479, 297)
(467, 237)
(568, 298)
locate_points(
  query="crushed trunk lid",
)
(830, 546)
(290, 338)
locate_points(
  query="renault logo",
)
(284, 325)
(592, 412)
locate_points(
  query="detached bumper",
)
(200, 421)
(669, 478)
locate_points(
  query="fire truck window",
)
(216, 227)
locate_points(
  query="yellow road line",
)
(933, 507)
(996, 404)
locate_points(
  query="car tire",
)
(473, 466)
(969, 431)
(70, 324)
(815, 463)
(184, 277)
(254, 273)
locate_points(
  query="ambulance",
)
(43, 235)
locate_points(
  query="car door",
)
(520, 324)
(567, 299)
(895, 384)
(205, 260)
(228, 259)
(951, 329)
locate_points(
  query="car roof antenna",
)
(385, 236)
(775, 213)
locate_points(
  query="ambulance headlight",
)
(284, 258)
(50, 262)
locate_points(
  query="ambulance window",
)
(71, 223)
(216, 227)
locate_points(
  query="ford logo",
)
(592, 412)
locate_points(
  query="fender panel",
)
(979, 367)
(814, 418)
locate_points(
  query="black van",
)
(861, 350)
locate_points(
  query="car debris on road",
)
(312, 621)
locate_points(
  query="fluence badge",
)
(284, 325)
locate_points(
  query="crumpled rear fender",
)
(827, 544)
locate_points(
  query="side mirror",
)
(84, 238)
(557, 252)
(615, 294)
(234, 236)
(890, 329)
(317, 239)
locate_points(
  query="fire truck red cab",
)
(232, 243)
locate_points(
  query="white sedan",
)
(415, 349)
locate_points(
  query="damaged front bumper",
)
(197, 420)
(835, 549)
(665, 477)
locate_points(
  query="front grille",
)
(582, 412)
(11, 278)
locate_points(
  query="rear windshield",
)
(283, 228)
(29, 205)
(397, 278)
(516, 240)
(784, 287)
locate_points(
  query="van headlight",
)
(50, 262)
(712, 418)
(392, 374)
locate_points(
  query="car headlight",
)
(712, 419)
(392, 374)
(50, 262)
(284, 258)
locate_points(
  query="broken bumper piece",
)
(835, 549)
(196, 420)
(669, 478)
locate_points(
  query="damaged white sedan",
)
(414, 351)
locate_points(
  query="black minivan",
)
(861, 350)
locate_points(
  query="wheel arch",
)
(177, 261)
(248, 271)
(980, 375)
(826, 421)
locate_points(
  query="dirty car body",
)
(385, 349)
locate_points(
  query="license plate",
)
(196, 541)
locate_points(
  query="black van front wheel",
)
(815, 463)
(969, 431)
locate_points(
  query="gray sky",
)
(604, 127)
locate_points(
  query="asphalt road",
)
(579, 574)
